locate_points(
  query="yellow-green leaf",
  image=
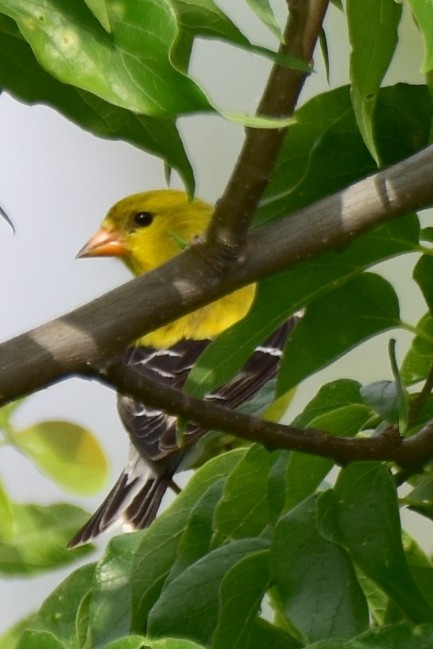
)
(69, 454)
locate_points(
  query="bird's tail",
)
(132, 504)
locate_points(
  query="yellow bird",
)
(145, 230)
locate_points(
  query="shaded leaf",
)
(241, 594)
(369, 523)
(336, 323)
(189, 605)
(315, 580)
(243, 510)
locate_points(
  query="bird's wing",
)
(152, 431)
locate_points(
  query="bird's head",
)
(145, 230)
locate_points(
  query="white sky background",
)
(57, 182)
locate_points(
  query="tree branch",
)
(77, 341)
(233, 213)
(386, 446)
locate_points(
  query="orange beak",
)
(104, 243)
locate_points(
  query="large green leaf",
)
(24, 77)
(57, 615)
(241, 594)
(368, 520)
(189, 605)
(68, 453)
(314, 578)
(373, 32)
(129, 67)
(243, 510)
(107, 612)
(336, 323)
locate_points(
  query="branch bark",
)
(235, 209)
(80, 340)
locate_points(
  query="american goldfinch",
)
(144, 230)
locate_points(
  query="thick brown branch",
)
(99, 329)
(235, 209)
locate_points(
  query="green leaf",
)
(196, 538)
(9, 639)
(189, 605)
(423, 13)
(130, 642)
(243, 510)
(40, 538)
(399, 636)
(422, 274)
(23, 77)
(66, 452)
(204, 18)
(420, 499)
(264, 12)
(315, 579)
(39, 640)
(57, 615)
(99, 10)
(383, 397)
(140, 642)
(305, 473)
(331, 397)
(110, 603)
(369, 524)
(373, 32)
(129, 68)
(418, 360)
(241, 595)
(158, 550)
(362, 308)
(6, 515)
(420, 566)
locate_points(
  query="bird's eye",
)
(142, 219)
